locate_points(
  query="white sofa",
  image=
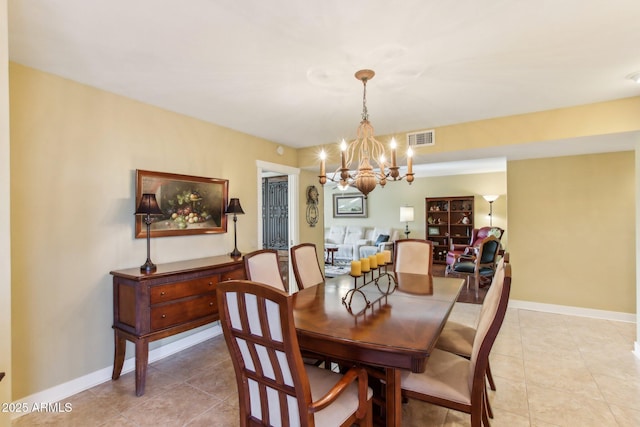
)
(355, 242)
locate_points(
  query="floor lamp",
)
(491, 199)
(406, 215)
(235, 209)
(148, 207)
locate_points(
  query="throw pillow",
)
(381, 239)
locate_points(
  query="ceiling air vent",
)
(421, 139)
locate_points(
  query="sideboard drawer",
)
(177, 290)
(236, 274)
(183, 311)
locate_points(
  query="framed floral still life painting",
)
(189, 204)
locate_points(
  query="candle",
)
(387, 256)
(393, 152)
(409, 161)
(373, 261)
(343, 148)
(356, 268)
(364, 262)
(323, 156)
(380, 257)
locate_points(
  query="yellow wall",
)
(572, 230)
(74, 152)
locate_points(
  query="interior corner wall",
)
(74, 152)
(572, 230)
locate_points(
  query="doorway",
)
(275, 212)
(271, 224)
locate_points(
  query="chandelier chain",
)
(365, 112)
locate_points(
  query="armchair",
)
(477, 236)
(480, 264)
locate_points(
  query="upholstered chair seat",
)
(456, 338)
(470, 267)
(446, 377)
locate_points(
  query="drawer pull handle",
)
(162, 293)
(210, 304)
(210, 283)
(164, 316)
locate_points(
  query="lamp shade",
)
(491, 198)
(234, 207)
(148, 205)
(406, 213)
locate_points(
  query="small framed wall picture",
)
(349, 205)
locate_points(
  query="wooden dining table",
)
(390, 326)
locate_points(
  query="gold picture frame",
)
(190, 204)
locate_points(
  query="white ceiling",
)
(283, 69)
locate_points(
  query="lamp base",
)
(148, 267)
(236, 253)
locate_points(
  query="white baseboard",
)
(574, 311)
(62, 391)
(636, 349)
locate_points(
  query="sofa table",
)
(177, 297)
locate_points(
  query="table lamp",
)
(235, 209)
(148, 207)
(406, 215)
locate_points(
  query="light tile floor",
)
(550, 370)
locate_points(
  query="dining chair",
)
(458, 338)
(477, 265)
(458, 383)
(413, 256)
(275, 387)
(263, 266)
(307, 272)
(306, 267)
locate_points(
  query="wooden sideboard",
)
(176, 297)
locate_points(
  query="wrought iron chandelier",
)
(367, 149)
